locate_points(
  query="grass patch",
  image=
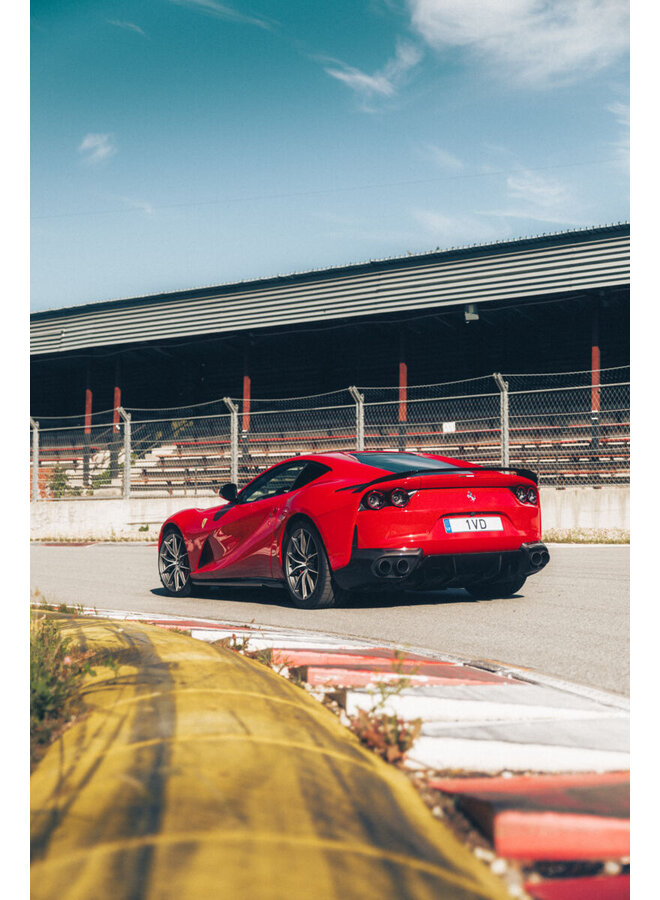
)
(387, 734)
(586, 536)
(237, 644)
(57, 672)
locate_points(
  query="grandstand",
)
(426, 333)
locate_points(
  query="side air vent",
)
(206, 555)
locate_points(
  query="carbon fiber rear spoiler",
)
(524, 473)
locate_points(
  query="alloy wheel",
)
(173, 563)
(302, 563)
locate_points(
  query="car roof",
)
(350, 455)
(349, 458)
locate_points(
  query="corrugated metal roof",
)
(553, 264)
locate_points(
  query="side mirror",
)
(229, 491)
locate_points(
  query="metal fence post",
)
(35, 459)
(126, 419)
(233, 410)
(359, 416)
(504, 416)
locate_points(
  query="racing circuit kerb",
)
(326, 524)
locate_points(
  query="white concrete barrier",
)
(586, 508)
(572, 509)
(97, 520)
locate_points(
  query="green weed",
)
(238, 645)
(57, 672)
(387, 734)
(586, 535)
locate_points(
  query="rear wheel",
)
(496, 591)
(307, 570)
(173, 565)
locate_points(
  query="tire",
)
(499, 591)
(307, 573)
(173, 564)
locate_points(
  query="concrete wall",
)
(584, 509)
(107, 519)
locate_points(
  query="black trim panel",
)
(439, 570)
(236, 582)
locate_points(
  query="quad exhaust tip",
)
(386, 567)
(539, 557)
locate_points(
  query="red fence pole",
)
(247, 384)
(595, 361)
(403, 391)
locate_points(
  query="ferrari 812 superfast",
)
(325, 525)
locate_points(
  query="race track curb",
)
(570, 801)
(197, 772)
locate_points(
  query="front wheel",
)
(496, 591)
(174, 566)
(307, 570)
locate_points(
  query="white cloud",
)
(361, 82)
(442, 158)
(621, 111)
(536, 191)
(97, 147)
(128, 26)
(141, 205)
(538, 199)
(384, 83)
(622, 146)
(228, 13)
(455, 231)
(531, 196)
(537, 41)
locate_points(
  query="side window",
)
(279, 481)
(311, 472)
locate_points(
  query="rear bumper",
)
(411, 569)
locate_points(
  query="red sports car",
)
(327, 524)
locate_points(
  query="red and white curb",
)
(473, 719)
(573, 803)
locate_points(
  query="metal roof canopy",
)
(551, 264)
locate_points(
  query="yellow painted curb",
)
(198, 773)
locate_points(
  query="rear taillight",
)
(375, 500)
(526, 494)
(378, 499)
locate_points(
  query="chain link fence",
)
(453, 419)
(570, 431)
(562, 425)
(272, 430)
(79, 460)
(184, 451)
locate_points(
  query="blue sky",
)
(180, 143)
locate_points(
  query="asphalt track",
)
(570, 622)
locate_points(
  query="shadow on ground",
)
(268, 596)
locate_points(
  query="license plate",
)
(473, 523)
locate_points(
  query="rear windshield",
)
(401, 462)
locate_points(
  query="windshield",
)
(401, 462)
